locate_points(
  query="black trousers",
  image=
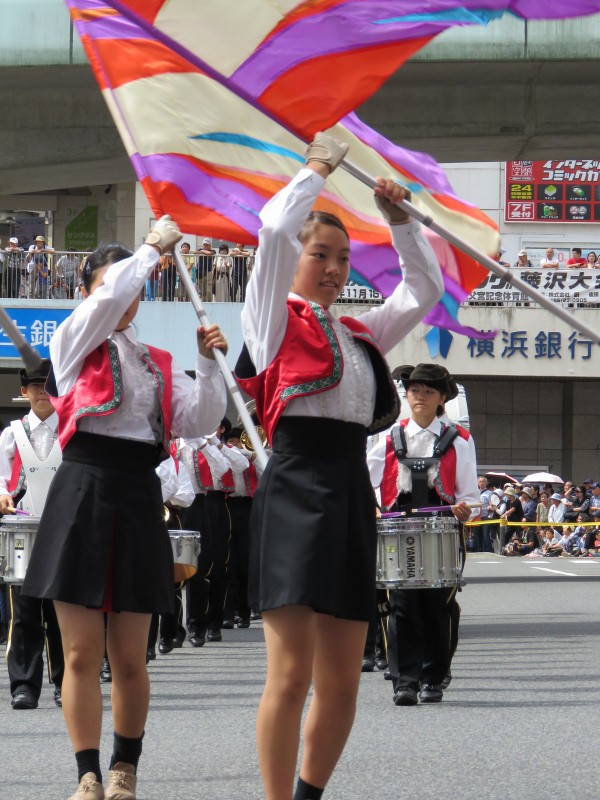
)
(420, 636)
(207, 590)
(33, 624)
(239, 558)
(376, 642)
(169, 626)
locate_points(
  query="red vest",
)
(310, 361)
(98, 390)
(18, 481)
(444, 483)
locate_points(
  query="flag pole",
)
(230, 381)
(30, 356)
(502, 272)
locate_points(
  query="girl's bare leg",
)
(82, 631)
(290, 639)
(126, 644)
(339, 648)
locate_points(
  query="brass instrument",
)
(244, 438)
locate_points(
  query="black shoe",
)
(150, 654)
(255, 615)
(228, 624)
(213, 635)
(106, 672)
(165, 646)
(58, 696)
(405, 696)
(196, 640)
(387, 675)
(368, 664)
(381, 663)
(447, 681)
(243, 622)
(23, 698)
(431, 693)
(178, 641)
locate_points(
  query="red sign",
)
(552, 191)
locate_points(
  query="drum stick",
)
(432, 509)
(31, 357)
(230, 381)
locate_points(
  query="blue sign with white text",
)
(37, 326)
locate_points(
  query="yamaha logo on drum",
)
(19, 544)
(411, 564)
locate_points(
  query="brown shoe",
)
(121, 782)
(88, 789)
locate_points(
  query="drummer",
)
(419, 626)
(25, 474)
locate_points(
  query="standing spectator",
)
(550, 261)
(541, 516)
(499, 258)
(205, 267)
(67, 267)
(14, 268)
(483, 539)
(37, 266)
(576, 260)
(190, 265)
(168, 274)
(556, 512)
(592, 260)
(153, 283)
(528, 504)
(523, 261)
(239, 273)
(221, 277)
(595, 502)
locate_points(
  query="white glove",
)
(326, 149)
(214, 440)
(164, 234)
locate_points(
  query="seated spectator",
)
(576, 260)
(586, 537)
(564, 544)
(523, 261)
(591, 260)
(549, 261)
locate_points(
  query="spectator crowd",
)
(538, 519)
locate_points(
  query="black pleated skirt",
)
(313, 534)
(102, 540)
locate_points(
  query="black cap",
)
(433, 375)
(234, 433)
(37, 375)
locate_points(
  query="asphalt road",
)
(520, 719)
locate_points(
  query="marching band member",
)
(177, 495)
(29, 457)
(239, 505)
(420, 621)
(320, 385)
(206, 465)
(98, 548)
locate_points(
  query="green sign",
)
(81, 232)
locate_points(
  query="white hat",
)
(205, 241)
(522, 252)
(13, 240)
(40, 238)
(528, 491)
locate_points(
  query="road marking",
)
(488, 562)
(556, 571)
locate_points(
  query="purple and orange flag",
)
(215, 102)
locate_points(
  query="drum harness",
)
(419, 466)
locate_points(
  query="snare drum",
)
(186, 548)
(17, 535)
(418, 553)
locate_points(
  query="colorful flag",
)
(215, 102)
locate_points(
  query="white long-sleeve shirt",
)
(216, 461)
(420, 442)
(197, 406)
(175, 483)
(8, 445)
(265, 314)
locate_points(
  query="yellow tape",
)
(531, 524)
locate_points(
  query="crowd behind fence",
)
(42, 273)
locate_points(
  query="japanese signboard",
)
(37, 326)
(552, 191)
(570, 286)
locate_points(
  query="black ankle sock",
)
(305, 791)
(126, 750)
(88, 761)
